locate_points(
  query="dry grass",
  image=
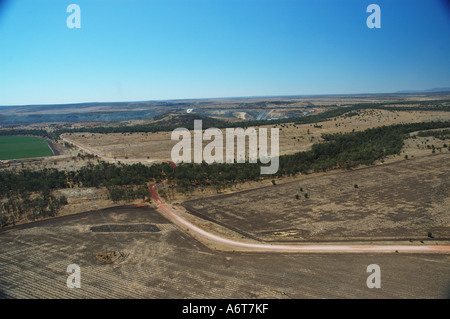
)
(398, 201)
(292, 138)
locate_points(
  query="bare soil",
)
(398, 201)
(171, 264)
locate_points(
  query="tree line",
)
(442, 135)
(25, 206)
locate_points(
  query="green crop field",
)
(16, 147)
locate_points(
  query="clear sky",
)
(134, 50)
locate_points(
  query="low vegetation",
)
(441, 135)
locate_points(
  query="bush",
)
(63, 200)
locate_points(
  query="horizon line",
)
(401, 92)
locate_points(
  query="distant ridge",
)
(434, 90)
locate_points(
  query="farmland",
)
(17, 147)
(169, 263)
(92, 199)
(402, 200)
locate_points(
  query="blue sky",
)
(134, 50)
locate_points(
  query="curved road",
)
(170, 214)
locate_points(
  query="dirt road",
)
(171, 214)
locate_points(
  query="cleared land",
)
(293, 138)
(170, 264)
(398, 201)
(17, 147)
